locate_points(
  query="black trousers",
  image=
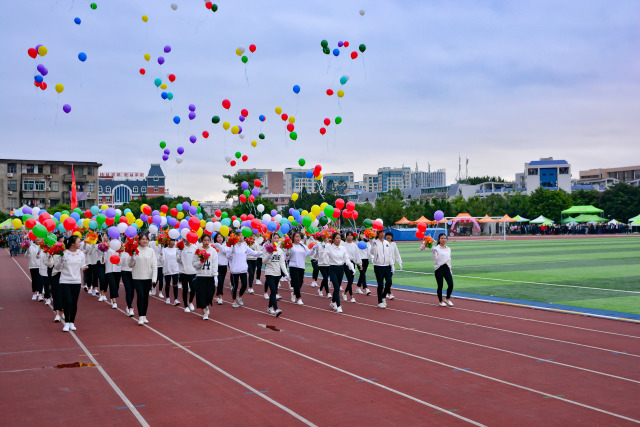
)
(252, 263)
(362, 279)
(70, 293)
(336, 272)
(297, 276)
(127, 281)
(350, 275)
(168, 279)
(160, 279)
(91, 276)
(113, 280)
(187, 286)
(316, 269)
(142, 288)
(222, 273)
(258, 268)
(46, 285)
(102, 279)
(54, 280)
(383, 277)
(205, 288)
(324, 270)
(272, 283)
(444, 272)
(36, 281)
(234, 284)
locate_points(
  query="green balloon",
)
(163, 144)
(214, 7)
(77, 210)
(246, 232)
(238, 154)
(367, 223)
(324, 43)
(328, 210)
(362, 47)
(306, 221)
(244, 59)
(25, 217)
(224, 215)
(323, 220)
(293, 135)
(312, 229)
(215, 119)
(40, 230)
(51, 239)
(170, 96)
(326, 50)
(246, 193)
(157, 82)
(94, 6)
(302, 162)
(199, 209)
(100, 219)
(294, 223)
(338, 120)
(261, 136)
(65, 212)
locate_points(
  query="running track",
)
(412, 364)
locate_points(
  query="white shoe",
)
(131, 313)
(278, 312)
(219, 301)
(57, 318)
(258, 282)
(240, 302)
(314, 284)
(140, 321)
(145, 319)
(266, 295)
(72, 326)
(300, 302)
(167, 301)
(114, 305)
(442, 304)
(35, 297)
(161, 296)
(368, 292)
(235, 305)
(352, 299)
(206, 316)
(250, 291)
(66, 327)
(344, 297)
(359, 291)
(329, 295)
(339, 310)
(186, 310)
(40, 297)
(176, 302)
(449, 303)
(278, 297)
(382, 305)
(320, 292)
(333, 305)
(85, 288)
(390, 296)
(191, 307)
(270, 310)
(293, 297)
(279, 285)
(94, 292)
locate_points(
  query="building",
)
(295, 180)
(272, 181)
(371, 183)
(280, 200)
(624, 174)
(211, 206)
(482, 190)
(391, 178)
(117, 188)
(46, 183)
(420, 179)
(546, 173)
(338, 182)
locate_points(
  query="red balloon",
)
(68, 224)
(290, 127)
(323, 131)
(142, 71)
(327, 122)
(43, 217)
(346, 214)
(172, 78)
(226, 104)
(245, 158)
(208, 5)
(115, 259)
(354, 54)
(218, 213)
(257, 183)
(251, 198)
(32, 236)
(346, 44)
(243, 217)
(150, 219)
(422, 226)
(244, 112)
(350, 206)
(336, 213)
(377, 225)
(109, 221)
(123, 219)
(194, 223)
(252, 48)
(205, 134)
(339, 203)
(284, 116)
(329, 92)
(232, 162)
(243, 198)
(43, 85)
(420, 234)
(174, 212)
(32, 52)
(37, 84)
(164, 208)
(192, 237)
(233, 218)
(147, 210)
(50, 225)
(250, 216)
(318, 168)
(354, 214)
(88, 214)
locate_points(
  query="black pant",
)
(175, 278)
(90, 275)
(444, 272)
(54, 280)
(362, 279)
(258, 268)
(297, 276)
(324, 270)
(36, 281)
(336, 272)
(70, 293)
(102, 279)
(205, 288)
(383, 274)
(316, 269)
(350, 275)
(127, 281)
(252, 270)
(113, 280)
(222, 272)
(272, 283)
(160, 279)
(46, 284)
(234, 284)
(142, 288)
(187, 286)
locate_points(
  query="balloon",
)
(17, 223)
(226, 125)
(214, 7)
(66, 108)
(338, 120)
(193, 139)
(172, 77)
(261, 136)
(174, 6)
(329, 92)
(192, 237)
(262, 118)
(180, 150)
(232, 163)
(354, 54)
(290, 127)
(328, 210)
(113, 232)
(247, 232)
(252, 48)
(438, 215)
(296, 89)
(420, 234)
(174, 234)
(278, 110)
(40, 230)
(115, 244)
(235, 130)
(323, 131)
(176, 119)
(284, 116)
(362, 47)
(59, 87)
(38, 79)
(164, 95)
(254, 144)
(157, 82)
(192, 115)
(422, 226)
(170, 96)
(205, 134)
(336, 52)
(340, 93)
(343, 80)
(145, 18)
(293, 136)
(340, 44)
(179, 159)
(32, 52)
(324, 43)
(167, 49)
(82, 56)
(42, 51)
(244, 159)
(215, 119)
(160, 60)
(226, 104)
(244, 59)
(93, 6)
(147, 57)
(361, 12)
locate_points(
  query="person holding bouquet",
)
(169, 259)
(396, 259)
(364, 247)
(441, 256)
(34, 269)
(101, 266)
(157, 248)
(223, 264)
(338, 259)
(315, 269)
(42, 255)
(382, 259)
(186, 252)
(275, 267)
(144, 271)
(91, 273)
(297, 262)
(113, 273)
(205, 263)
(70, 266)
(54, 254)
(252, 262)
(237, 251)
(354, 256)
(323, 263)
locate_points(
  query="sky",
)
(499, 82)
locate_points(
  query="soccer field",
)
(600, 273)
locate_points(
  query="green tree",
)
(496, 205)
(621, 202)
(549, 203)
(236, 181)
(518, 205)
(585, 197)
(443, 205)
(389, 206)
(252, 208)
(365, 210)
(480, 179)
(458, 205)
(414, 209)
(306, 200)
(476, 206)
(59, 208)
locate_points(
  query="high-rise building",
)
(272, 181)
(391, 178)
(370, 182)
(428, 179)
(296, 179)
(338, 182)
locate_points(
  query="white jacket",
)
(124, 262)
(90, 253)
(222, 257)
(169, 258)
(32, 254)
(144, 266)
(320, 249)
(209, 268)
(51, 261)
(353, 251)
(274, 263)
(185, 260)
(396, 253)
(440, 256)
(237, 256)
(381, 253)
(365, 253)
(42, 266)
(337, 255)
(70, 265)
(298, 255)
(108, 266)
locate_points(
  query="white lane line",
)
(415, 399)
(547, 395)
(106, 376)
(530, 283)
(505, 330)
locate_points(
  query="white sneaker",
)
(352, 299)
(57, 318)
(266, 295)
(235, 305)
(47, 302)
(191, 307)
(329, 295)
(339, 310)
(258, 282)
(140, 321)
(442, 304)
(300, 302)
(449, 303)
(240, 302)
(94, 292)
(219, 301)
(320, 292)
(390, 296)
(72, 326)
(131, 313)
(278, 297)
(382, 305)
(368, 292)
(270, 310)
(314, 284)
(293, 297)
(278, 312)
(176, 302)
(66, 327)
(40, 297)
(114, 305)
(359, 291)
(145, 319)
(206, 316)
(333, 305)
(167, 301)
(186, 310)
(250, 291)
(344, 297)
(85, 288)
(34, 297)
(161, 296)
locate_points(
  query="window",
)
(53, 169)
(54, 202)
(82, 204)
(108, 189)
(78, 170)
(532, 171)
(40, 168)
(91, 186)
(100, 189)
(89, 170)
(135, 189)
(28, 185)
(155, 189)
(108, 198)
(12, 185)
(12, 202)
(40, 185)
(54, 186)
(30, 169)
(12, 168)
(564, 171)
(144, 189)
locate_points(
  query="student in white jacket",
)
(297, 262)
(275, 267)
(54, 282)
(206, 276)
(44, 278)
(187, 275)
(169, 258)
(91, 273)
(354, 257)
(320, 250)
(237, 255)
(34, 269)
(70, 267)
(144, 271)
(113, 273)
(223, 265)
(396, 259)
(338, 258)
(127, 281)
(364, 257)
(441, 256)
(382, 258)
(157, 249)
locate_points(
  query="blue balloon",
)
(164, 95)
(75, 215)
(39, 78)
(362, 245)
(184, 224)
(226, 221)
(126, 211)
(309, 174)
(176, 119)
(57, 215)
(336, 52)
(296, 88)
(272, 226)
(61, 228)
(77, 20)
(262, 118)
(94, 210)
(285, 228)
(82, 56)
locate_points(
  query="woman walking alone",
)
(441, 256)
(144, 271)
(70, 265)
(297, 262)
(275, 267)
(206, 268)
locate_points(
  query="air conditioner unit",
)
(88, 194)
(9, 192)
(49, 176)
(48, 188)
(10, 175)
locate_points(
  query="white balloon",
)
(174, 6)
(122, 227)
(241, 49)
(164, 221)
(153, 229)
(174, 233)
(241, 136)
(115, 244)
(35, 211)
(179, 159)
(361, 12)
(184, 232)
(266, 217)
(315, 223)
(236, 223)
(379, 220)
(260, 208)
(278, 218)
(227, 158)
(209, 227)
(216, 226)
(118, 211)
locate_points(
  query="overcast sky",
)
(499, 82)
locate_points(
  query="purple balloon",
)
(193, 139)
(167, 49)
(186, 206)
(193, 210)
(165, 157)
(192, 115)
(45, 71)
(255, 230)
(167, 151)
(143, 217)
(110, 213)
(160, 60)
(290, 211)
(154, 213)
(340, 44)
(274, 212)
(180, 150)
(172, 221)
(157, 220)
(184, 224)
(66, 108)
(192, 107)
(241, 118)
(131, 231)
(244, 185)
(438, 215)
(239, 129)
(113, 232)
(255, 192)
(27, 210)
(40, 69)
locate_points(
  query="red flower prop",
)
(286, 243)
(202, 255)
(131, 246)
(232, 239)
(180, 245)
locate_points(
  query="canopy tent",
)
(422, 220)
(614, 222)
(6, 224)
(568, 220)
(518, 218)
(547, 223)
(506, 218)
(541, 220)
(403, 221)
(635, 223)
(588, 218)
(635, 218)
(486, 220)
(581, 210)
(465, 217)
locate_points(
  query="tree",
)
(548, 203)
(306, 200)
(251, 208)
(389, 206)
(413, 210)
(496, 205)
(458, 204)
(480, 179)
(4, 216)
(59, 208)
(518, 204)
(621, 202)
(585, 197)
(365, 210)
(236, 181)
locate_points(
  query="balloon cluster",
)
(209, 5)
(289, 120)
(42, 71)
(240, 50)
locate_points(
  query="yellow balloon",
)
(128, 215)
(200, 231)
(235, 130)
(104, 207)
(278, 110)
(238, 51)
(85, 223)
(315, 209)
(180, 215)
(142, 207)
(292, 119)
(139, 222)
(59, 86)
(319, 177)
(224, 230)
(294, 196)
(202, 222)
(163, 86)
(77, 233)
(254, 144)
(195, 203)
(226, 125)
(340, 93)
(304, 213)
(17, 223)
(147, 56)
(313, 217)
(42, 51)
(323, 205)
(290, 218)
(163, 214)
(63, 217)
(145, 18)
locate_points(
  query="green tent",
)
(567, 220)
(518, 218)
(581, 210)
(6, 225)
(588, 218)
(635, 218)
(635, 223)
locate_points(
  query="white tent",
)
(614, 222)
(541, 220)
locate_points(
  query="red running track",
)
(414, 363)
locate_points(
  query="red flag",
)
(74, 194)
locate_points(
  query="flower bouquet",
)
(270, 248)
(103, 247)
(202, 255)
(311, 245)
(92, 238)
(180, 245)
(369, 233)
(163, 239)
(56, 249)
(286, 243)
(131, 246)
(25, 244)
(232, 239)
(427, 242)
(43, 246)
(250, 240)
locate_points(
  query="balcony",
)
(79, 178)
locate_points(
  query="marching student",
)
(364, 257)
(338, 259)
(323, 264)
(144, 271)
(169, 258)
(252, 263)
(314, 264)
(187, 274)
(441, 256)
(53, 277)
(275, 267)
(223, 264)
(259, 243)
(34, 269)
(70, 265)
(91, 273)
(354, 256)
(297, 263)
(157, 248)
(237, 255)
(206, 274)
(42, 256)
(382, 259)
(127, 281)
(101, 268)
(396, 259)
(113, 273)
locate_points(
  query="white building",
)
(547, 173)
